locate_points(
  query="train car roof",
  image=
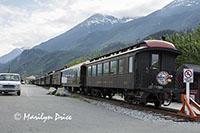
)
(9, 74)
(56, 71)
(75, 66)
(139, 46)
(196, 68)
(159, 43)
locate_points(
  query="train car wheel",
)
(103, 95)
(110, 96)
(142, 103)
(157, 104)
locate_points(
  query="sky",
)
(26, 23)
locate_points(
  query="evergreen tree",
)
(189, 44)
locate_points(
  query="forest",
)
(189, 44)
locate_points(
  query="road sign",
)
(64, 80)
(188, 76)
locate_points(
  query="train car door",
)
(83, 76)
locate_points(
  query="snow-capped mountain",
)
(96, 22)
(180, 6)
(186, 3)
(11, 55)
(25, 48)
(99, 30)
(178, 15)
(99, 19)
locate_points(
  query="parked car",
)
(10, 82)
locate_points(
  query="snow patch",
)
(177, 3)
(98, 19)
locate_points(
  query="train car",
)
(37, 81)
(72, 77)
(56, 78)
(143, 73)
(48, 79)
(42, 81)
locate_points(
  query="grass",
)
(57, 94)
(118, 94)
(74, 95)
(47, 88)
(77, 96)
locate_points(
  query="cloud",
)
(21, 27)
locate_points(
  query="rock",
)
(52, 91)
(61, 92)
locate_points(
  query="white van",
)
(10, 82)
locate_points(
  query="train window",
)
(106, 68)
(113, 67)
(72, 71)
(121, 66)
(76, 72)
(79, 72)
(68, 74)
(155, 61)
(89, 71)
(69, 71)
(94, 70)
(130, 64)
(99, 69)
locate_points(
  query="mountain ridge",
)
(11, 55)
(90, 41)
(94, 23)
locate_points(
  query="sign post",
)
(188, 77)
(63, 81)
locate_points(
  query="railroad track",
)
(163, 112)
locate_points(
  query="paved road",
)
(85, 117)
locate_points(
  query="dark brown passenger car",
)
(143, 73)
